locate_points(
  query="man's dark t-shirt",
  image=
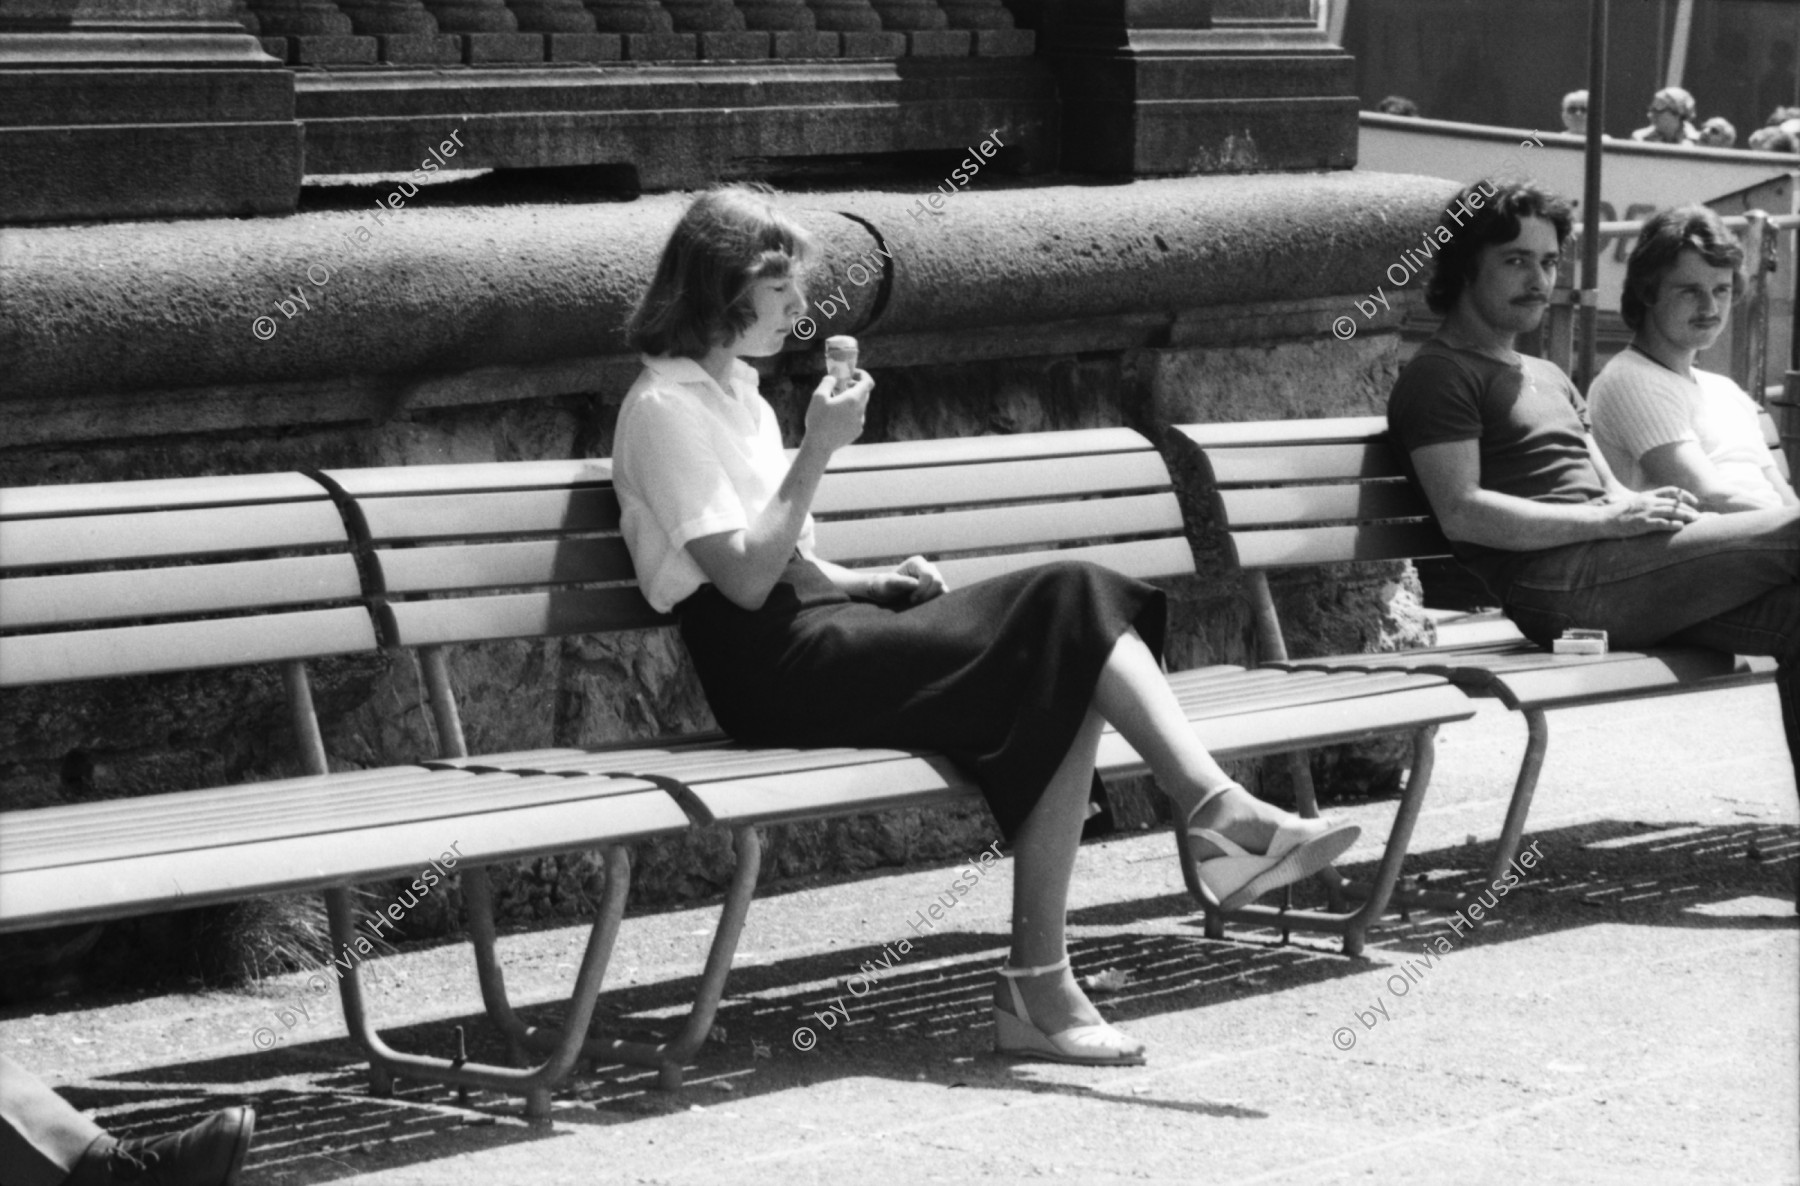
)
(1529, 419)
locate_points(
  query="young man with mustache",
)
(1498, 443)
(1661, 420)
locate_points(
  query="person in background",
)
(1574, 112)
(1659, 419)
(1773, 138)
(1398, 105)
(1718, 132)
(45, 1141)
(1671, 119)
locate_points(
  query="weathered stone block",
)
(790, 16)
(275, 47)
(939, 43)
(789, 44)
(583, 47)
(473, 16)
(552, 16)
(381, 17)
(331, 51)
(301, 18)
(479, 48)
(630, 16)
(910, 15)
(733, 45)
(661, 47)
(705, 16)
(418, 48)
(874, 45)
(846, 16)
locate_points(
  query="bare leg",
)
(1043, 863)
(1134, 696)
(1044, 852)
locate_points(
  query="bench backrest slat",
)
(74, 540)
(962, 451)
(494, 566)
(182, 646)
(1242, 434)
(862, 541)
(504, 512)
(469, 477)
(188, 589)
(1148, 559)
(1280, 506)
(856, 491)
(156, 494)
(521, 615)
(1324, 545)
(1333, 462)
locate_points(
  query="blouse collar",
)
(677, 369)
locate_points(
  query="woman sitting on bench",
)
(1011, 677)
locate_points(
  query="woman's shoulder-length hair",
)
(727, 239)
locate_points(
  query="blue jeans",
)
(1730, 582)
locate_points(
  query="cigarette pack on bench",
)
(1575, 641)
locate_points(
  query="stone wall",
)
(492, 333)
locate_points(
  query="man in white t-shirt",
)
(1659, 420)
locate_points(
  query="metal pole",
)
(1590, 191)
(1678, 48)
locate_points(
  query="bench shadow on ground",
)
(927, 1018)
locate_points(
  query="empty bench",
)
(1290, 494)
(434, 557)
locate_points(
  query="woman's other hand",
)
(916, 580)
(834, 420)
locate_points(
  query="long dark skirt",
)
(996, 676)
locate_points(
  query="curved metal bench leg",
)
(1354, 925)
(670, 1058)
(1387, 874)
(1537, 739)
(534, 1083)
(478, 901)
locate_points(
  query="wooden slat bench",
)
(431, 557)
(1299, 493)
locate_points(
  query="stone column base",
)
(146, 143)
(1165, 91)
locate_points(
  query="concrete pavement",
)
(1629, 1013)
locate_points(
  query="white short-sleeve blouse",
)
(691, 459)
